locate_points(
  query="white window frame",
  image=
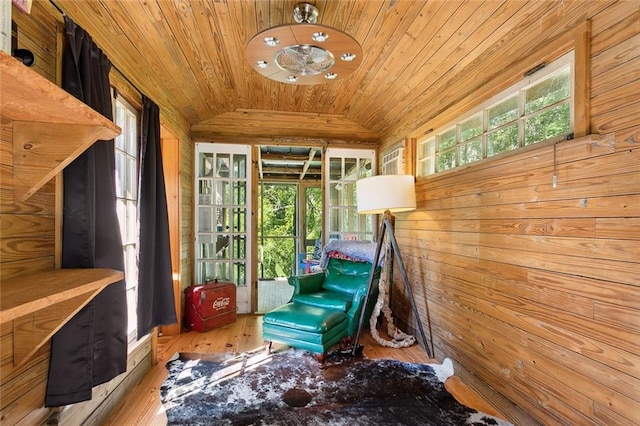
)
(427, 148)
(128, 119)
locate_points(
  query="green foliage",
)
(278, 221)
(548, 124)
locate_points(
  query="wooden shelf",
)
(39, 304)
(50, 126)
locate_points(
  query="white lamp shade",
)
(395, 193)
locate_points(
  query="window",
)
(538, 108)
(393, 162)
(126, 147)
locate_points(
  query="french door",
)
(345, 167)
(223, 217)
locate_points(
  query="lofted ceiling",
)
(420, 58)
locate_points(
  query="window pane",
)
(222, 248)
(427, 148)
(132, 135)
(204, 192)
(206, 165)
(205, 246)
(120, 174)
(119, 120)
(206, 271)
(239, 222)
(548, 124)
(350, 169)
(349, 220)
(240, 274)
(447, 159)
(223, 165)
(239, 247)
(223, 221)
(426, 166)
(132, 316)
(502, 140)
(548, 92)
(335, 168)
(334, 220)
(447, 139)
(239, 193)
(502, 113)
(222, 192)
(132, 178)
(365, 168)
(204, 219)
(131, 235)
(239, 166)
(349, 194)
(471, 128)
(222, 271)
(471, 151)
(366, 223)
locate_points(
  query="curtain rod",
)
(62, 12)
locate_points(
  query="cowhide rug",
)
(292, 388)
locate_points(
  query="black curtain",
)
(155, 284)
(91, 348)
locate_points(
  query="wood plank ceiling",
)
(188, 56)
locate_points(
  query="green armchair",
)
(325, 306)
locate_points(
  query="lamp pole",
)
(386, 226)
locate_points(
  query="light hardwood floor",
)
(142, 406)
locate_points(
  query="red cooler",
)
(210, 305)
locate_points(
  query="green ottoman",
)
(305, 327)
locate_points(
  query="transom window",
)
(538, 108)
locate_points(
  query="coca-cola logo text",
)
(221, 303)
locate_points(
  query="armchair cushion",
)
(305, 318)
(346, 276)
(325, 299)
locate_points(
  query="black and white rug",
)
(292, 388)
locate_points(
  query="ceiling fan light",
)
(271, 41)
(320, 36)
(303, 53)
(348, 57)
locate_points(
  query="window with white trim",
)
(538, 108)
(126, 150)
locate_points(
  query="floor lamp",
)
(387, 194)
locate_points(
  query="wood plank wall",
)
(534, 291)
(28, 243)
(28, 237)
